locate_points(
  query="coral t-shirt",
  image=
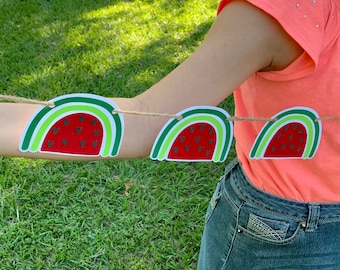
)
(303, 164)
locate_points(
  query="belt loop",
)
(313, 217)
(231, 165)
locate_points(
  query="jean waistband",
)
(240, 191)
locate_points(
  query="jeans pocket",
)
(214, 201)
(269, 228)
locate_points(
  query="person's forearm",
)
(13, 119)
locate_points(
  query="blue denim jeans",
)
(247, 228)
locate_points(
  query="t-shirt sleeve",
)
(304, 21)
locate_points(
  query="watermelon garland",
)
(85, 125)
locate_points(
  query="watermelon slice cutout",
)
(78, 124)
(295, 134)
(203, 134)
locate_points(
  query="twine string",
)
(326, 118)
(16, 99)
(253, 119)
(176, 116)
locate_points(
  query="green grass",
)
(79, 215)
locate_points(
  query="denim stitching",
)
(233, 238)
(264, 230)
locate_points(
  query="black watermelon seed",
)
(55, 130)
(78, 129)
(94, 143)
(81, 118)
(66, 122)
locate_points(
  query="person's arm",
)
(242, 40)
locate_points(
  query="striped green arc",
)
(174, 127)
(45, 118)
(306, 117)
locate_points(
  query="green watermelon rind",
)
(302, 115)
(94, 105)
(203, 114)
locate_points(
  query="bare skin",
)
(242, 40)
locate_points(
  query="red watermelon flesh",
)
(289, 141)
(195, 142)
(78, 133)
